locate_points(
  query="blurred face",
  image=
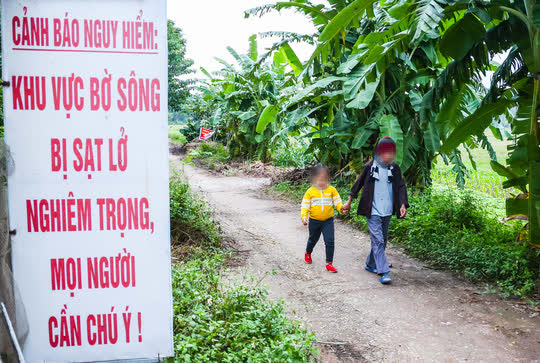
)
(387, 157)
(321, 180)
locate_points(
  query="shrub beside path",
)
(425, 315)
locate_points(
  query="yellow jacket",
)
(319, 204)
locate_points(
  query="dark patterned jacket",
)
(367, 184)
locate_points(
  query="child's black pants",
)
(327, 229)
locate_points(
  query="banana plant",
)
(244, 96)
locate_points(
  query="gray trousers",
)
(378, 231)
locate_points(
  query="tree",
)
(242, 98)
(178, 66)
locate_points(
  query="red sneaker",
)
(307, 258)
(331, 268)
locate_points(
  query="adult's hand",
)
(346, 208)
(403, 211)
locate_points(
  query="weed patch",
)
(236, 323)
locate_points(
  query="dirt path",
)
(425, 315)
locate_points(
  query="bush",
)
(458, 230)
(210, 154)
(217, 323)
(192, 129)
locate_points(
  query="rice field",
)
(487, 182)
(483, 179)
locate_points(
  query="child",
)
(318, 210)
(383, 194)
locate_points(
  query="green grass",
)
(175, 134)
(218, 321)
(456, 230)
(290, 191)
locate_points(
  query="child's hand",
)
(403, 211)
(346, 208)
(305, 221)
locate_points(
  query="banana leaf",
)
(267, 116)
(475, 124)
(389, 126)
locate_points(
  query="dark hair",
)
(319, 168)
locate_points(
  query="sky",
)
(210, 26)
